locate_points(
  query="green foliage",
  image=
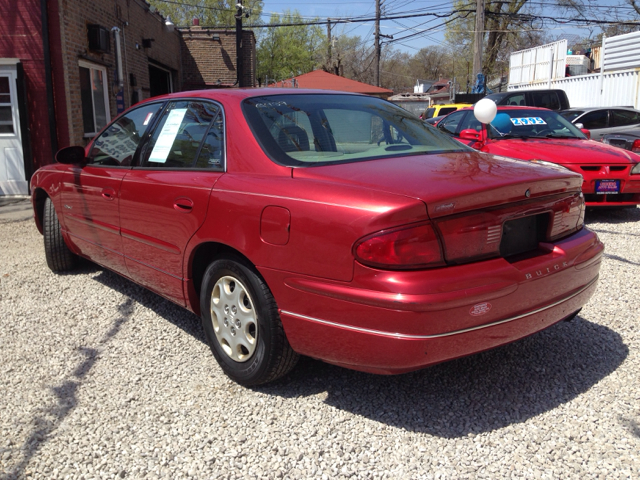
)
(212, 13)
(284, 52)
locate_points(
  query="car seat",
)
(293, 138)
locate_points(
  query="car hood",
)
(561, 151)
(453, 182)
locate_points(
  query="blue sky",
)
(310, 9)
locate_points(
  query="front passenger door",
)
(90, 193)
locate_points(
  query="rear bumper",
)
(389, 353)
(393, 322)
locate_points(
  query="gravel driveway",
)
(100, 378)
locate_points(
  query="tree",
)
(509, 29)
(211, 13)
(284, 52)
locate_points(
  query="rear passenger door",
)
(164, 199)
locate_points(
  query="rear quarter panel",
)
(325, 221)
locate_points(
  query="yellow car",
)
(440, 110)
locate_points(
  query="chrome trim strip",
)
(440, 335)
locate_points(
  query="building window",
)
(95, 98)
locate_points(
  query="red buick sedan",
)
(611, 175)
(323, 224)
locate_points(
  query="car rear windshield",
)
(319, 129)
(526, 123)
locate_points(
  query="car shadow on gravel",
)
(52, 415)
(175, 314)
(475, 394)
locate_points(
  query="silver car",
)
(603, 120)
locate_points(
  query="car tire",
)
(59, 257)
(242, 324)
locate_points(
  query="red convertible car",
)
(611, 175)
(331, 225)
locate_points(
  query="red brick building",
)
(67, 67)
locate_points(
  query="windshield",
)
(313, 129)
(532, 123)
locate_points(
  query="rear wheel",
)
(59, 257)
(242, 324)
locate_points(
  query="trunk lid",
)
(452, 183)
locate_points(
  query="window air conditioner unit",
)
(99, 39)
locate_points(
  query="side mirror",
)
(586, 132)
(71, 156)
(470, 134)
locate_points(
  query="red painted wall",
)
(21, 27)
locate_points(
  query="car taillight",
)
(636, 146)
(411, 247)
(568, 217)
(471, 236)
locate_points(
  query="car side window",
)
(545, 99)
(189, 134)
(470, 121)
(446, 111)
(594, 120)
(622, 118)
(450, 124)
(117, 144)
(515, 100)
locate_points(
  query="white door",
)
(12, 175)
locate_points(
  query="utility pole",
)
(376, 71)
(479, 37)
(329, 63)
(239, 13)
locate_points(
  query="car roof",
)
(242, 93)
(591, 109)
(512, 107)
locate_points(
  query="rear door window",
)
(622, 118)
(188, 135)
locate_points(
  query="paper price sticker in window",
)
(519, 122)
(167, 136)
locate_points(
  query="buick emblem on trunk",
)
(527, 193)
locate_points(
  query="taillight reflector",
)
(410, 247)
(636, 146)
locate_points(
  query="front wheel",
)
(242, 324)
(59, 257)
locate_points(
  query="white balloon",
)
(485, 110)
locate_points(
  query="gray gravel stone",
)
(101, 378)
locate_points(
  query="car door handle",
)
(184, 205)
(108, 193)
